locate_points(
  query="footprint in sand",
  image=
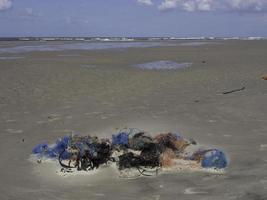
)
(41, 122)
(226, 135)
(93, 113)
(53, 117)
(156, 197)
(264, 183)
(99, 195)
(212, 121)
(66, 107)
(193, 191)
(103, 117)
(69, 117)
(63, 131)
(10, 130)
(263, 147)
(10, 120)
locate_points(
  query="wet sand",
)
(47, 94)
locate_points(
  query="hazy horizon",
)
(133, 18)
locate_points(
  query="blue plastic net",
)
(214, 159)
(178, 136)
(40, 148)
(61, 146)
(44, 150)
(121, 139)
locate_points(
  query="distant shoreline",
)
(124, 39)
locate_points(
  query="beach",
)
(52, 89)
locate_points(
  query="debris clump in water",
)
(130, 149)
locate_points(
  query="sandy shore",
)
(47, 94)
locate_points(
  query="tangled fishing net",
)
(130, 149)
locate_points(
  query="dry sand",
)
(47, 94)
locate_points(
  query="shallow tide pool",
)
(163, 65)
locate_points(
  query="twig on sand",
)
(235, 90)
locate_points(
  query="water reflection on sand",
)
(77, 46)
(39, 46)
(163, 65)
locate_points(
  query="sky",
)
(136, 18)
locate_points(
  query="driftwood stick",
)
(235, 90)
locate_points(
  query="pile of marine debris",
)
(129, 149)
